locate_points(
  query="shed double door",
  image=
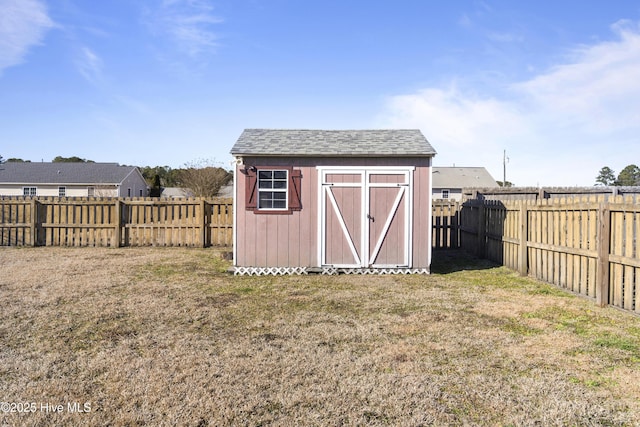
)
(365, 219)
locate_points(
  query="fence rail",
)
(588, 245)
(115, 222)
(446, 225)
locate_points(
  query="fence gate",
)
(365, 217)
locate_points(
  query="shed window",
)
(29, 191)
(62, 191)
(272, 189)
(445, 194)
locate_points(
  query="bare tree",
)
(203, 178)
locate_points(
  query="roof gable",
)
(350, 143)
(63, 173)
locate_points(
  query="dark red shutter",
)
(251, 190)
(295, 190)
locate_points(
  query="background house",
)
(71, 180)
(225, 191)
(331, 201)
(448, 182)
(175, 193)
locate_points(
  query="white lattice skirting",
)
(268, 271)
(383, 270)
(282, 271)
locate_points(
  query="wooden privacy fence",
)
(115, 222)
(590, 246)
(446, 226)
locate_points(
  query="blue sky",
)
(170, 82)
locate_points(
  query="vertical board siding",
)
(292, 240)
(276, 240)
(350, 210)
(89, 221)
(392, 250)
(422, 232)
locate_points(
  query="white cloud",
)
(559, 128)
(598, 90)
(23, 24)
(505, 37)
(89, 64)
(188, 23)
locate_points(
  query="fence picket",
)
(115, 222)
(589, 245)
(565, 242)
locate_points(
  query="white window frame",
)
(272, 189)
(62, 191)
(30, 191)
(445, 194)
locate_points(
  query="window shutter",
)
(251, 190)
(295, 190)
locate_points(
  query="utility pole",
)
(505, 159)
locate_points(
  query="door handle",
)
(371, 218)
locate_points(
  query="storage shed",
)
(332, 201)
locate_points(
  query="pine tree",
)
(156, 190)
(606, 177)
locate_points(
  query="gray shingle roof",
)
(462, 177)
(63, 173)
(351, 143)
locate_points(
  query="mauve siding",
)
(422, 216)
(392, 250)
(265, 240)
(337, 247)
(278, 240)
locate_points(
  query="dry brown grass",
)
(151, 336)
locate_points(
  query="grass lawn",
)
(163, 336)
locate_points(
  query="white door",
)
(366, 216)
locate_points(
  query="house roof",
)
(465, 177)
(63, 173)
(173, 192)
(349, 143)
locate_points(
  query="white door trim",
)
(367, 258)
(343, 226)
(385, 228)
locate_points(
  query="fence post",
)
(482, 232)
(524, 238)
(118, 225)
(33, 225)
(203, 224)
(604, 239)
(455, 226)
